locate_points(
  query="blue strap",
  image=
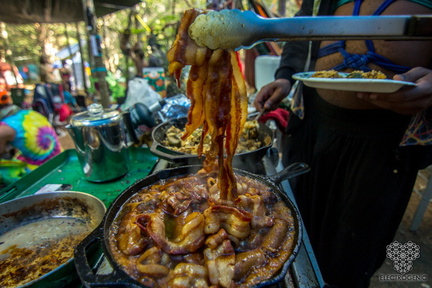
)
(383, 6)
(357, 61)
(357, 6)
(370, 46)
(380, 9)
(330, 49)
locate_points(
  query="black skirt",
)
(360, 183)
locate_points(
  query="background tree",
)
(159, 18)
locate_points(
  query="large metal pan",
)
(119, 278)
(31, 223)
(245, 160)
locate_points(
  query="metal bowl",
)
(45, 218)
(244, 160)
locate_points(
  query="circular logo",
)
(403, 255)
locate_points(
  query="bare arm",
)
(7, 134)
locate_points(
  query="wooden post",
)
(70, 54)
(82, 58)
(97, 67)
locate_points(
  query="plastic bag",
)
(139, 91)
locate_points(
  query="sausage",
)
(246, 261)
(275, 237)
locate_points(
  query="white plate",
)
(351, 84)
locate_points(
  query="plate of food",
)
(359, 81)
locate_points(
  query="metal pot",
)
(119, 278)
(47, 217)
(245, 160)
(101, 142)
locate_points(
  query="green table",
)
(64, 170)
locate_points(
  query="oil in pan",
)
(40, 237)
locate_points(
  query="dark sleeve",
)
(293, 59)
(295, 53)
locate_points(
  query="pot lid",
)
(96, 115)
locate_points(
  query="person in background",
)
(30, 134)
(157, 58)
(65, 74)
(137, 55)
(364, 149)
(70, 100)
(62, 112)
(135, 52)
(46, 70)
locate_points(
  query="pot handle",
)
(159, 150)
(291, 171)
(87, 273)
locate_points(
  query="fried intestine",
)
(218, 97)
(214, 228)
(223, 244)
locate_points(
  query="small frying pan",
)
(30, 223)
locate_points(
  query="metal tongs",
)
(235, 29)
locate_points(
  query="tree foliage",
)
(159, 18)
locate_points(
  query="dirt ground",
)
(422, 267)
(65, 140)
(422, 237)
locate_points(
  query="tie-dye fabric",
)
(35, 137)
(11, 171)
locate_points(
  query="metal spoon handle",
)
(235, 29)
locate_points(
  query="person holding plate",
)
(364, 149)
